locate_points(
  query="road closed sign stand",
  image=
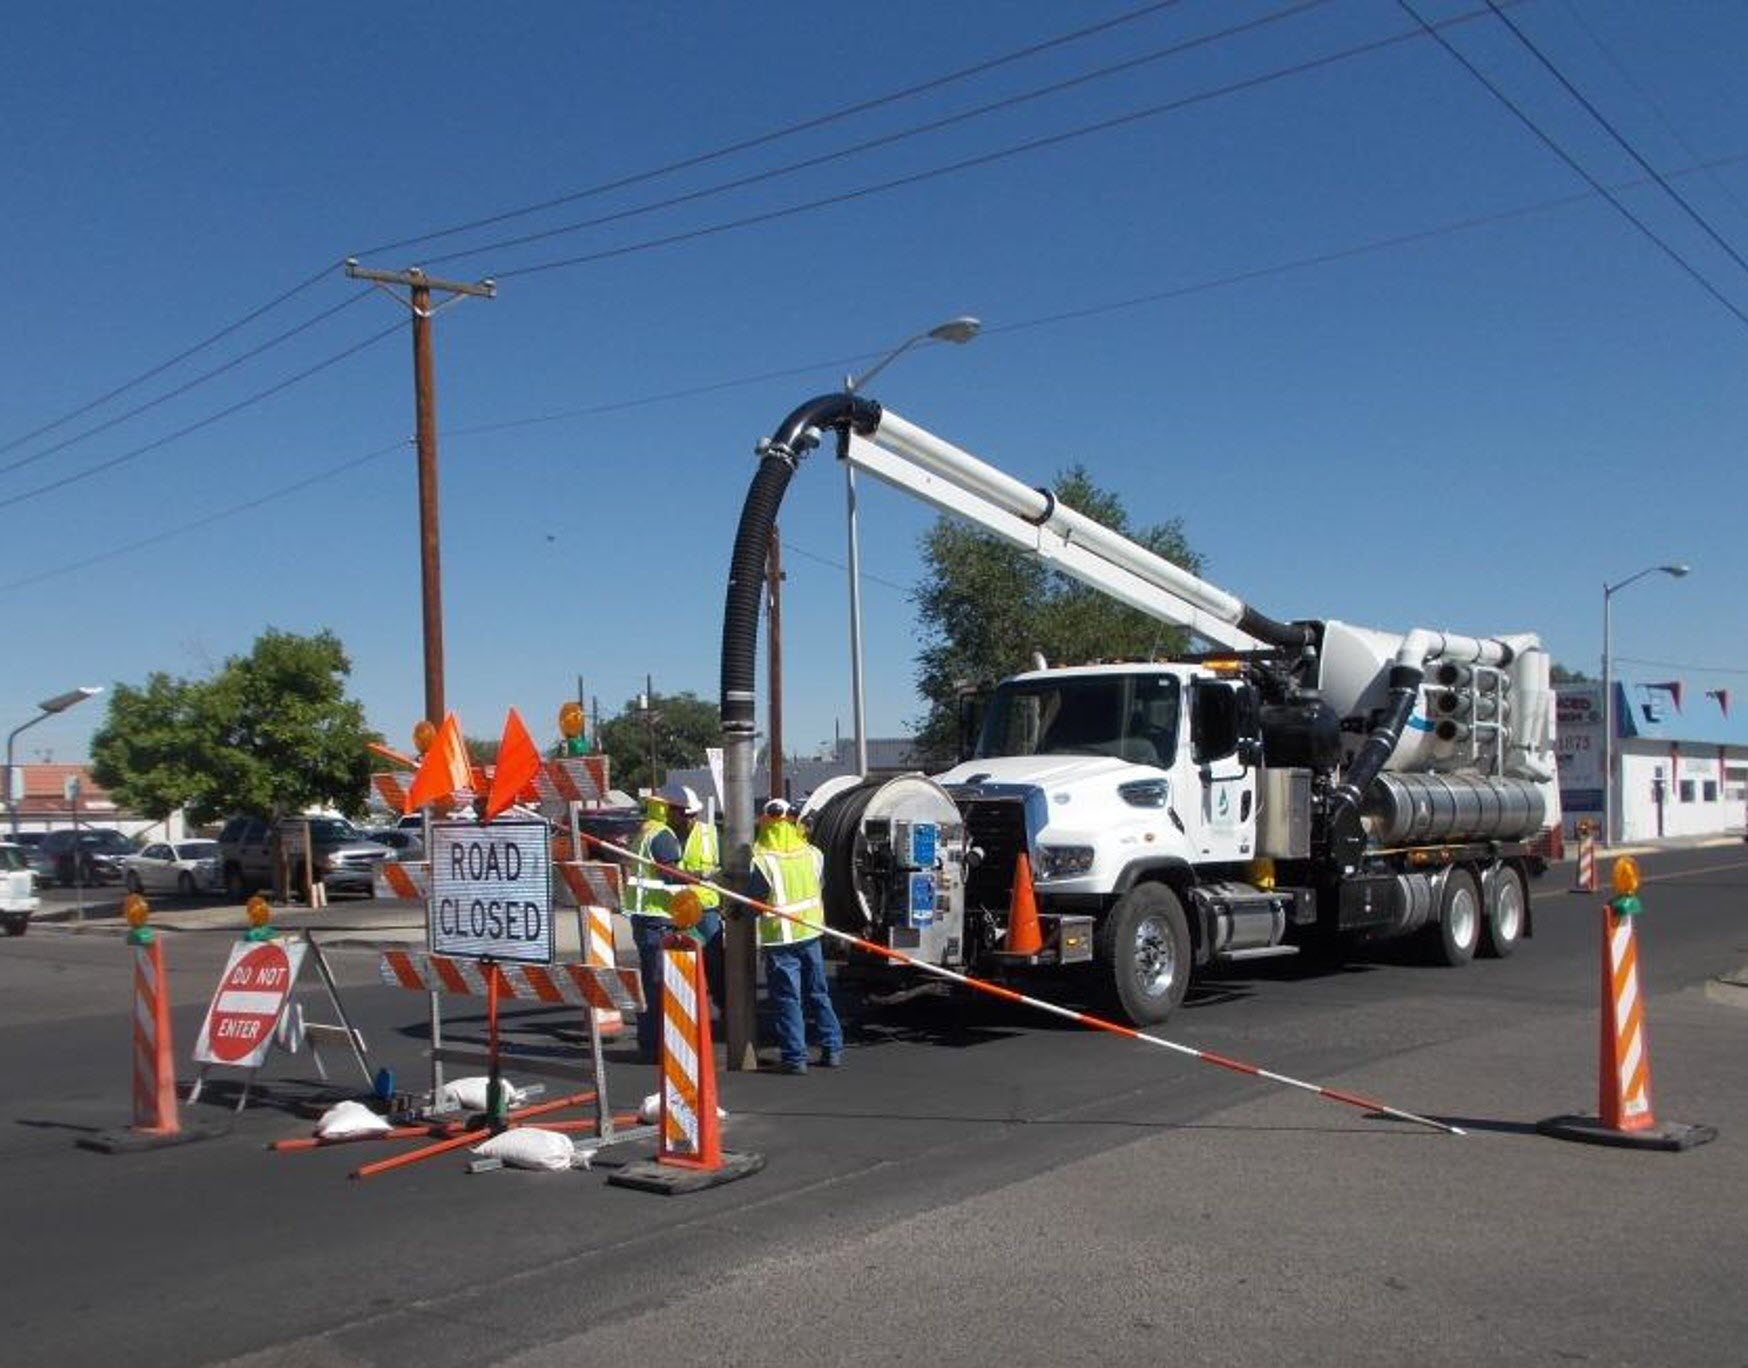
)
(246, 1007)
(491, 900)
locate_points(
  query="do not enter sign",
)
(246, 1007)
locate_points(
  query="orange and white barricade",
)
(1624, 1115)
(571, 779)
(690, 1154)
(411, 881)
(595, 888)
(1584, 878)
(582, 984)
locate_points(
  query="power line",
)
(887, 139)
(774, 135)
(218, 516)
(126, 456)
(180, 356)
(184, 388)
(1615, 133)
(778, 134)
(837, 364)
(987, 158)
(1572, 162)
(1684, 665)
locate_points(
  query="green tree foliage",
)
(271, 732)
(684, 725)
(1559, 674)
(987, 606)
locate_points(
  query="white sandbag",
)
(530, 1147)
(346, 1119)
(469, 1094)
(651, 1110)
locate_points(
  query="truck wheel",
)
(1506, 904)
(1144, 945)
(1459, 918)
(18, 923)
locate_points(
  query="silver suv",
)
(341, 857)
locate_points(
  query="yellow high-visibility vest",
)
(793, 876)
(701, 856)
(650, 891)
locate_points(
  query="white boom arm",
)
(919, 463)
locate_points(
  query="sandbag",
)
(469, 1094)
(530, 1147)
(344, 1120)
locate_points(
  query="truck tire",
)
(1459, 919)
(1507, 907)
(1144, 949)
(17, 923)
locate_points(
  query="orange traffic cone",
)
(1024, 936)
(689, 1154)
(1624, 1115)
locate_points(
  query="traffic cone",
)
(1584, 877)
(154, 1062)
(1624, 1115)
(689, 1153)
(1024, 936)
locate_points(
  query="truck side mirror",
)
(1214, 730)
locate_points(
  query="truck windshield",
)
(1131, 717)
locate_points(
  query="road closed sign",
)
(491, 891)
(251, 995)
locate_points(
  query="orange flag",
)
(444, 768)
(518, 763)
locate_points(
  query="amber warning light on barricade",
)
(686, 909)
(424, 733)
(1625, 876)
(135, 910)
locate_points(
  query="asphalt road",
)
(979, 1184)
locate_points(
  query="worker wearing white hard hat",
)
(701, 857)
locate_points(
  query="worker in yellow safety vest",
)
(649, 893)
(701, 857)
(786, 874)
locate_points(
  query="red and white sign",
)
(251, 996)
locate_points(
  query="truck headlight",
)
(1146, 793)
(1063, 862)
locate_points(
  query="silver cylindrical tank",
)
(1414, 809)
(858, 828)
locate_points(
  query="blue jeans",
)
(648, 933)
(794, 973)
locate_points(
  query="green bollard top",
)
(1626, 905)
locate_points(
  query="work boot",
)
(831, 1059)
(788, 1067)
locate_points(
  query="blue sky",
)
(1388, 357)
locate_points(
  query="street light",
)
(49, 707)
(958, 331)
(1610, 831)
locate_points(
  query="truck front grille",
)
(997, 827)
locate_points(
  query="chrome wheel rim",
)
(1464, 922)
(1508, 911)
(1155, 957)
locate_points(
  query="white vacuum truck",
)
(1301, 784)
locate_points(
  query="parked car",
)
(17, 889)
(88, 855)
(185, 867)
(408, 845)
(342, 858)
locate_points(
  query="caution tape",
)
(1097, 1023)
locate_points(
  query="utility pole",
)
(418, 301)
(774, 609)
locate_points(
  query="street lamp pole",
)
(958, 331)
(48, 708)
(1610, 824)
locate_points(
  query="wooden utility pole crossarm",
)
(419, 287)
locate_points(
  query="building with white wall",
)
(1681, 758)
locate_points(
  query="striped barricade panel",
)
(581, 984)
(412, 881)
(590, 883)
(571, 779)
(392, 789)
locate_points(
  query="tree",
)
(986, 606)
(270, 733)
(684, 725)
(1559, 674)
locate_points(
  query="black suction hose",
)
(752, 541)
(1346, 836)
